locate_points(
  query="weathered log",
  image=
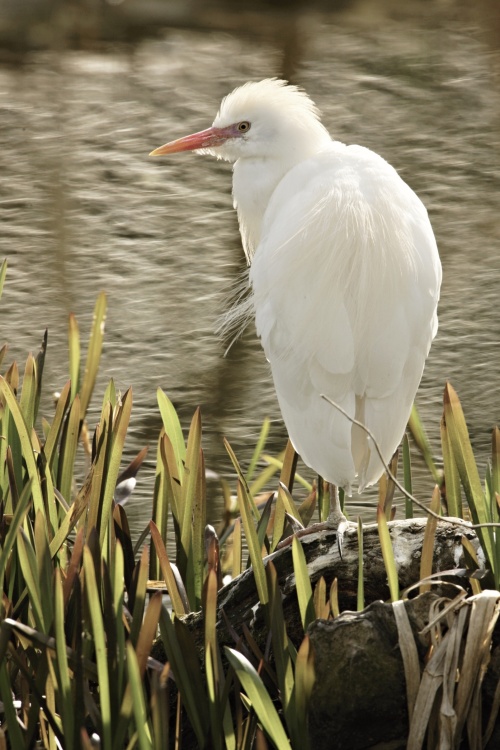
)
(359, 698)
(239, 599)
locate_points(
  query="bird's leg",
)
(336, 519)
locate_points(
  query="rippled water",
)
(83, 208)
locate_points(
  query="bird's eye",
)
(243, 126)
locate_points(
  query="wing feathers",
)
(345, 285)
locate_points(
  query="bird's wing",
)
(345, 286)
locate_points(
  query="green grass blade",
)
(303, 584)
(407, 479)
(71, 518)
(422, 442)
(140, 596)
(162, 500)
(26, 446)
(276, 464)
(138, 701)
(196, 520)
(361, 565)
(187, 673)
(98, 474)
(93, 353)
(11, 536)
(67, 451)
(388, 554)
(259, 698)
(52, 438)
(28, 393)
(213, 665)
(119, 432)
(98, 632)
(284, 504)
(16, 736)
(495, 460)
(141, 654)
(179, 605)
(61, 663)
(304, 683)
(29, 568)
(236, 552)
(469, 475)
(241, 477)
(429, 538)
(39, 365)
(172, 428)
(45, 569)
(264, 432)
(254, 548)
(74, 354)
(451, 475)
(281, 649)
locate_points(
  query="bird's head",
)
(268, 119)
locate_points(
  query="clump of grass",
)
(80, 610)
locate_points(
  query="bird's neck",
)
(254, 181)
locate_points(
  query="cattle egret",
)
(344, 275)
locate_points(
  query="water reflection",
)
(82, 207)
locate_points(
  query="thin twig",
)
(456, 522)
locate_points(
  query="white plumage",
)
(345, 275)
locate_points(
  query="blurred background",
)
(89, 87)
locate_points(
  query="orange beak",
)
(210, 138)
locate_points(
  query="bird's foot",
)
(336, 521)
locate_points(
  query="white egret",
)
(345, 275)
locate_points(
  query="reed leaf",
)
(45, 570)
(304, 682)
(302, 584)
(39, 365)
(281, 647)
(361, 577)
(429, 539)
(179, 602)
(181, 653)
(74, 354)
(139, 596)
(16, 735)
(241, 477)
(469, 476)
(162, 500)
(99, 635)
(407, 477)
(138, 700)
(119, 432)
(28, 393)
(51, 440)
(264, 432)
(189, 485)
(24, 436)
(254, 547)
(61, 665)
(451, 475)
(93, 353)
(388, 554)
(103, 441)
(259, 698)
(67, 453)
(29, 568)
(173, 429)
(422, 442)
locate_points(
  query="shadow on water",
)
(82, 208)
